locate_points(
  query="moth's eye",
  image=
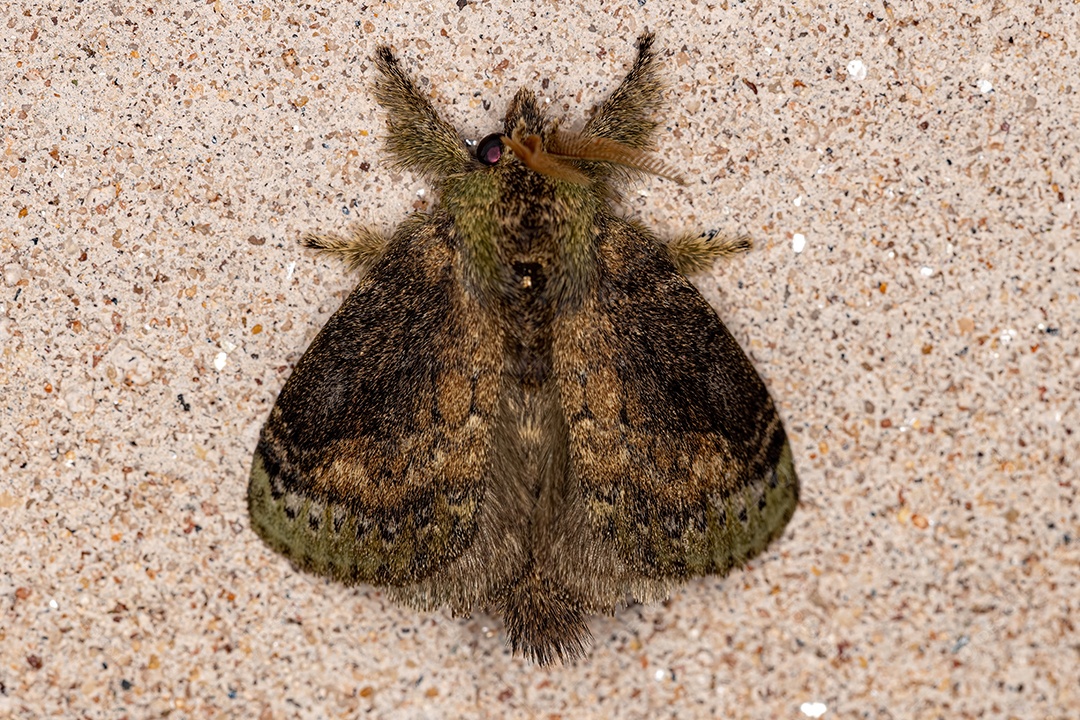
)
(489, 150)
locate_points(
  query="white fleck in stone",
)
(13, 273)
(78, 396)
(54, 605)
(798, 242)
(100, 195)
(798, 201)
(290, 270)
(813, 709)
(659, 675)
(219, 361)
(132, 364)
(856, 70)
(985, 87)
(926, 271)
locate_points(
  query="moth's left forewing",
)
(373, 463)
(674, 440)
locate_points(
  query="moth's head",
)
(530, 139)
(614, 142)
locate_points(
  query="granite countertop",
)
(908, 173)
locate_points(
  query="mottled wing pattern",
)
(674, 440)
(371, 467)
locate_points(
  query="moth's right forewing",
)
(673, 438)
(371, 467)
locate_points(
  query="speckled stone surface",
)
(909, 172)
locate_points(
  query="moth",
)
(524, 406)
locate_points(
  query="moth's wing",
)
(371, 466)
(673, 439)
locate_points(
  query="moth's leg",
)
(627, 115)
(418, 138)
(696, 253)
(360, 249)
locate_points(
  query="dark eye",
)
(489, 150)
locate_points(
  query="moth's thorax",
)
(527, 246)
(517, 230)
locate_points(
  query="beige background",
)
(161, 161)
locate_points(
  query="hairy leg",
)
(360, 249)
(696, 253)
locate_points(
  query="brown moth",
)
(524, 406)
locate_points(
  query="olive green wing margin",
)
(371, 465)
(674, 440)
